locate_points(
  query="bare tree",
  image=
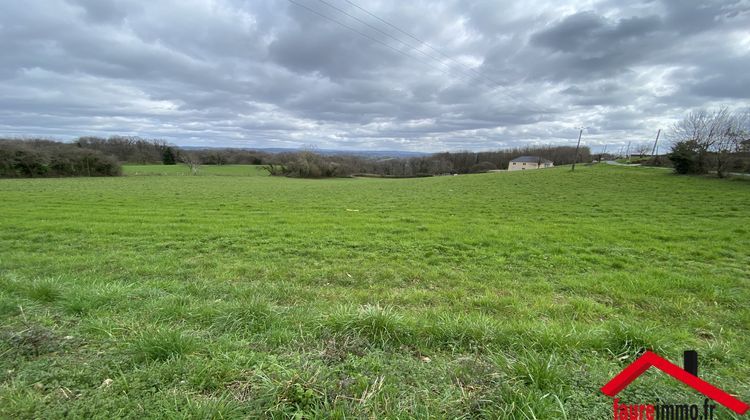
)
(192, 160)
(714, 138)
(643, 149)
(729, 142)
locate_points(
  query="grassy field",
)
(227, 170)
(511, 295)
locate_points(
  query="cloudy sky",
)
(356, 75)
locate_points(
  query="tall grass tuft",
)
(540, 371)
(381, 325)
(243, 317)
(44, 290)
(161, 344)
(462, 332)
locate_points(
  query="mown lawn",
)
(511, 295)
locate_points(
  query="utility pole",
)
(602, 153)
(653, 152)
(627, 152)
(580, 133)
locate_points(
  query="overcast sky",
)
(271, 73)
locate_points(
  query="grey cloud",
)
(269, 73)
(587, 45)
(588, 33)
(736, 87)
(101, 11)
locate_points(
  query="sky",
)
(376, 75)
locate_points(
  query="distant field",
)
(510, 295)
(229, 170)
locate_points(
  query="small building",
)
(529, 162)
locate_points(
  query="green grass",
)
(229, 170)
(499, 295)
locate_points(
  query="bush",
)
(687, 158)
(40, 158)
(310, 165)
(169, 157)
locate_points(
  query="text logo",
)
(688, 376)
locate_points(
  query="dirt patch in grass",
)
(32, 341)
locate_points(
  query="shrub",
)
(310, 165)
(687, 158)
(40, 158)
(169, 157)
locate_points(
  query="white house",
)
(529, 162)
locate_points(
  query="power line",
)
(344, 12)
(422, 42)
(368, 36)
(493, 82)
(466, 77)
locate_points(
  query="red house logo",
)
(688, 376)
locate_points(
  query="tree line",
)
(96, 156)
(144, 151)
(45, 158)
(308, 164)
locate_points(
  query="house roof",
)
(533, 159)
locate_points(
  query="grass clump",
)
(380, 325)
(8, 306)
(540, 371)
(44, 290)
(81, 302)
(242, 317)
(626, 341)
(466, 333)
(162, 344)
